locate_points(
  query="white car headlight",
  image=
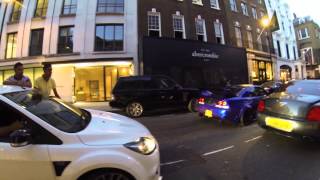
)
(144, 145)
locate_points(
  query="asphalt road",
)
(195, 149)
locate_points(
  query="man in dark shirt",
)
(18, 79)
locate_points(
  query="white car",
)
(49, 139)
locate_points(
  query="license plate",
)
(281, 124)
(208, 113)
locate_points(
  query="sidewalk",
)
(103, 106)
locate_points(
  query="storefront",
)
(194, 63)
(81, 81)
(261, 71)
(261, 67)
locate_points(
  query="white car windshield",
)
(54, 111)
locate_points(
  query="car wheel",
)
(192, 105)
(108, 175)
(134, 109)
(247, 117)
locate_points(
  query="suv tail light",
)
(261, 106)
(314, 114)
(201, 100)
(222, 104)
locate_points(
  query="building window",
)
(69, 7)
(154, 24)
(178, 27)
(267, 44)
(109, 37)
(254, 13)
(303, 33)
(110, 6)
(218, 29)
(261, 14)
(11, 47)
(238, 36)
(244, 9)
(259, 42)
(65, 44)
(279, 49)
(250, 39)
(233, 5)
(41, 9)
(215, 4)
(200, 30)
(16, 11)
(36, 42)
(198, 2)
(294, 52)
(288, 54)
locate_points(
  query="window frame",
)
(64, 51)
(155, 14)
(183, 30)
(239, 39)
(113, 40)
(220, 27)
(203, 27)
(214, 4)
(15, 34)
(32, 53)
(244, 8)
(69, 7)
(16, 11)
(105, 4)
(43, 9)
(233, 5)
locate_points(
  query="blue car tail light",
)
(201, 101)
(223, 104)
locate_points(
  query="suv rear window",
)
(135, 84)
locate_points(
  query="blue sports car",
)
(237, 104)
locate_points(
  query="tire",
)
(134, 109)
(247, 117)
(192, 105)
(107, 175)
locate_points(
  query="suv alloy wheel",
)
(134, 109)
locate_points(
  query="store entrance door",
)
(262, 75)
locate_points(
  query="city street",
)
(195, 149)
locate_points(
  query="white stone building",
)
(289, 64)
(91, 43)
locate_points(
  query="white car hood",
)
(111, 129)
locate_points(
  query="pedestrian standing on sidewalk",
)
(45, 84)
(18, 79)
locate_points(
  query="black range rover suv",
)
(137, 94)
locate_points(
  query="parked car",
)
(272, 86)
(237, 104)
(293, 112)
(137, 94)
(49, 139)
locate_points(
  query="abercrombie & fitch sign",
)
(206, 54)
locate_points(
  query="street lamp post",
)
(265, 22)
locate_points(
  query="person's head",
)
(18, 69)
(47, 69)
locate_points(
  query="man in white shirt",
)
(18, 79)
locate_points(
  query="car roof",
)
(10, 89)
(244, 85)
(145, 77)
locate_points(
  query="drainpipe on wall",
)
(3, 19)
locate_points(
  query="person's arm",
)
(56, 93)
(54, 88)
(4, 131)
(27, 83)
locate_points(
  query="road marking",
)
(171, 163)
(253, 139)
(217, 151)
